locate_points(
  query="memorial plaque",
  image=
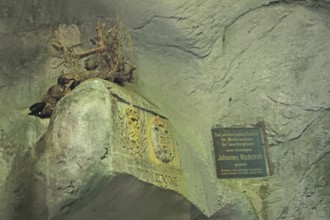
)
(239, 152)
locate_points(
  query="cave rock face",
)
(204, 64)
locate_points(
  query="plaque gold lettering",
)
(250, 156)
(224, 157)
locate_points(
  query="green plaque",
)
(239, 152)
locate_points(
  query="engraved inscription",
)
(161, 140)
(161, 175)
(163, 179)
(239, 152)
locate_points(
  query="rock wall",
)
(205, 63)
(18, 135)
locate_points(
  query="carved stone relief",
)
(145, 144)
(133, 130)
(161, 140)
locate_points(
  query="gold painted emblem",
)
(133, 132)
(161, 140)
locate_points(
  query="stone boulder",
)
(105, 145)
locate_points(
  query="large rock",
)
(98, 135)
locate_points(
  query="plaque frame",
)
(241, 151)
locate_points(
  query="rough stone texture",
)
(18, 136)
(70, 153)
(304, 165)
(205, 63)
(128, 198)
